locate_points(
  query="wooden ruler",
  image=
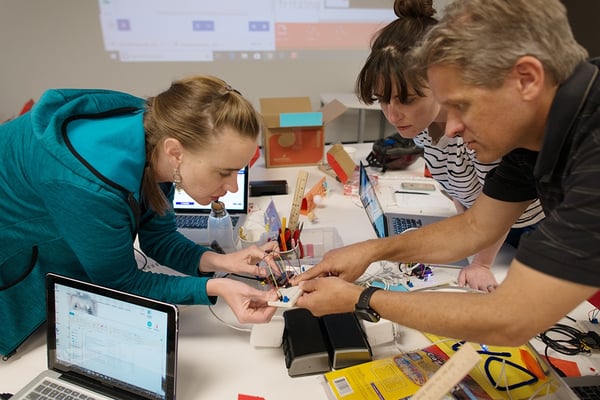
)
(297, 200)
(449, 374)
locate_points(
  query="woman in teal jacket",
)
(85, 172)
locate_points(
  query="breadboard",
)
(449, 374)
(289, 297)
(297, 201)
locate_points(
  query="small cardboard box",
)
(341, 163)
(295, 135)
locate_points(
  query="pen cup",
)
(292, 254)
(290, 260)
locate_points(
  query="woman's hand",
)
(477, 276)
(249, 305)
(250, 261)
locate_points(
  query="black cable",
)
(5, 396)
(572, 344)
(571, 318)
(554, 367)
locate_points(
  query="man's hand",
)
(329, 295)
(348, 263)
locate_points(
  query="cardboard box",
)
(295, 135)
(341, 163)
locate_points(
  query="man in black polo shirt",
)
(515, 84)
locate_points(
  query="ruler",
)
(297, 201)
(449, 374)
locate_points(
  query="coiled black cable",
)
(571, 343)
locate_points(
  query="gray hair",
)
(484, 38)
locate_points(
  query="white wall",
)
(57, 43)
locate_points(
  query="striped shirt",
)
(457, 170)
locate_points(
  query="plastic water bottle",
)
(220, 228)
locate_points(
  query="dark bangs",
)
(383, 69)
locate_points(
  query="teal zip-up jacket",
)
(70, 203)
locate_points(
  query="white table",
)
(216, 359)
(352, 102)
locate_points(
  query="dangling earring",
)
(177, 179)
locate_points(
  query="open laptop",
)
(388, 224)
(587, 387)
(192, 218)
(106, 344)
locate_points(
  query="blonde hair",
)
(194, 110)
(484, 38)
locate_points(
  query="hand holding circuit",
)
(348, 263)
(249, 305)
(330, 295)
(251, 261)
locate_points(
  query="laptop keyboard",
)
(51, 390)
(587, 392)
(402, 224)
(198, 221)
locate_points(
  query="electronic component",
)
(288, 297)
(379, 332)
(591, 334)
(282, 281)
(421, 271)
(268, 188)
(304, 346)
(346, 340)
(418, 186)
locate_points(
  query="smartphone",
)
(428, 187)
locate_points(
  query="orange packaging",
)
(295, 134)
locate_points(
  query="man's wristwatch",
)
(362, 308)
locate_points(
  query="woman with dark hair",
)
(389, 78)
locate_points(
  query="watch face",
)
(367, 315)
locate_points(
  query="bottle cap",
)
(218, 207)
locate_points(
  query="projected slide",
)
(208, 30)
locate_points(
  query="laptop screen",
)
(118, 340)
(234, 202)
(368, 198)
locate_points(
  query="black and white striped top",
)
(457, 170)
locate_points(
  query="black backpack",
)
(393, 152)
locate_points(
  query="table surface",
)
(216, 358)
(349, 100)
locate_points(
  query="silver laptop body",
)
(106, 344)
(388, 224)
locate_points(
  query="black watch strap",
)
(362, 308)
(365, 297)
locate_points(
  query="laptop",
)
(587, 387)
(388, 224)
(192, 218)
(584, 387)
(105, 344)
